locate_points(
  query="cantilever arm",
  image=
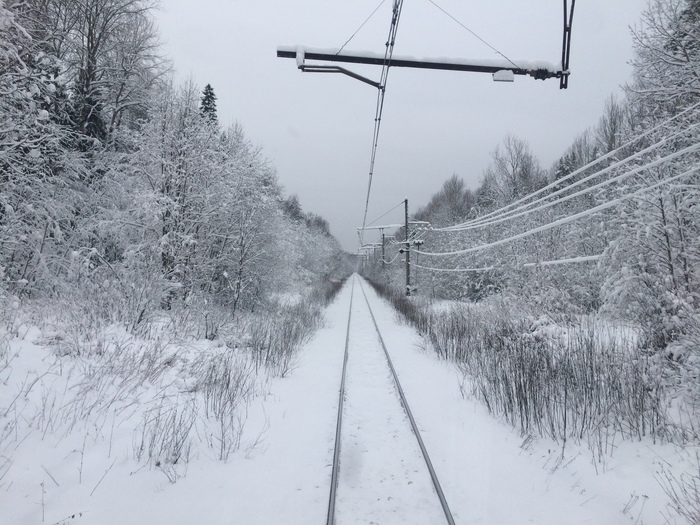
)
(538, 69)
(338, 69)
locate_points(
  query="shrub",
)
(565, 382)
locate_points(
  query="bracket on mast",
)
(385, 227)
(502, 70)
(315, 68)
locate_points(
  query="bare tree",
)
(450, 205)
(667, 53)
(109, 55)
(514, 172)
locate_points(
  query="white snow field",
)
(281, 472)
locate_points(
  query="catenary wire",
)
(389, 52)
(387, 213)
(361, 26)
(474, 34)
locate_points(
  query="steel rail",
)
(414, 426)
(330, 520)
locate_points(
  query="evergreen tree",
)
(208, 103)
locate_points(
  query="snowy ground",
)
(282, 471)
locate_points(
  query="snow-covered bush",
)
(163, 436)
(586, 380)
(225, 382)
(412, 310)
(568, 382)
(275, 336)
(275, 340)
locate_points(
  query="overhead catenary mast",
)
(503, 70)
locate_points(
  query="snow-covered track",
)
(398, 469)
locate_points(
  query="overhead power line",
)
(565, 220)
(522, 203)
(392, 261)
(569, 260)
(526, 210)
(557, 262)
(455, 270)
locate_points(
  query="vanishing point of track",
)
(336, 467)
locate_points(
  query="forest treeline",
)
(120, 188)
(632, 181)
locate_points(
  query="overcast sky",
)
(317, 129)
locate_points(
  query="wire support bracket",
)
(338, 69)
(539, 70)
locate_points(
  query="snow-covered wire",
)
(415, 234)
(392, 261)
(453, 270)
(565, 220)
(526, 210)
(520, 202)
(570, 260)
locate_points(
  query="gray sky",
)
(317, 129)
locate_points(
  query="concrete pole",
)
(408, 253)
(383, 252)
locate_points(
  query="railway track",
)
(381, 472)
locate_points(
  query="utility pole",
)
(408, 253)
(383, 253)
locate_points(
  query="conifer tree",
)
(208, 103)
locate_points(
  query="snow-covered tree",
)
(107, 53)
(114, 188)
(38, 189)
(514, 172)
(667, 54)
(652, 261)
(452, 204)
